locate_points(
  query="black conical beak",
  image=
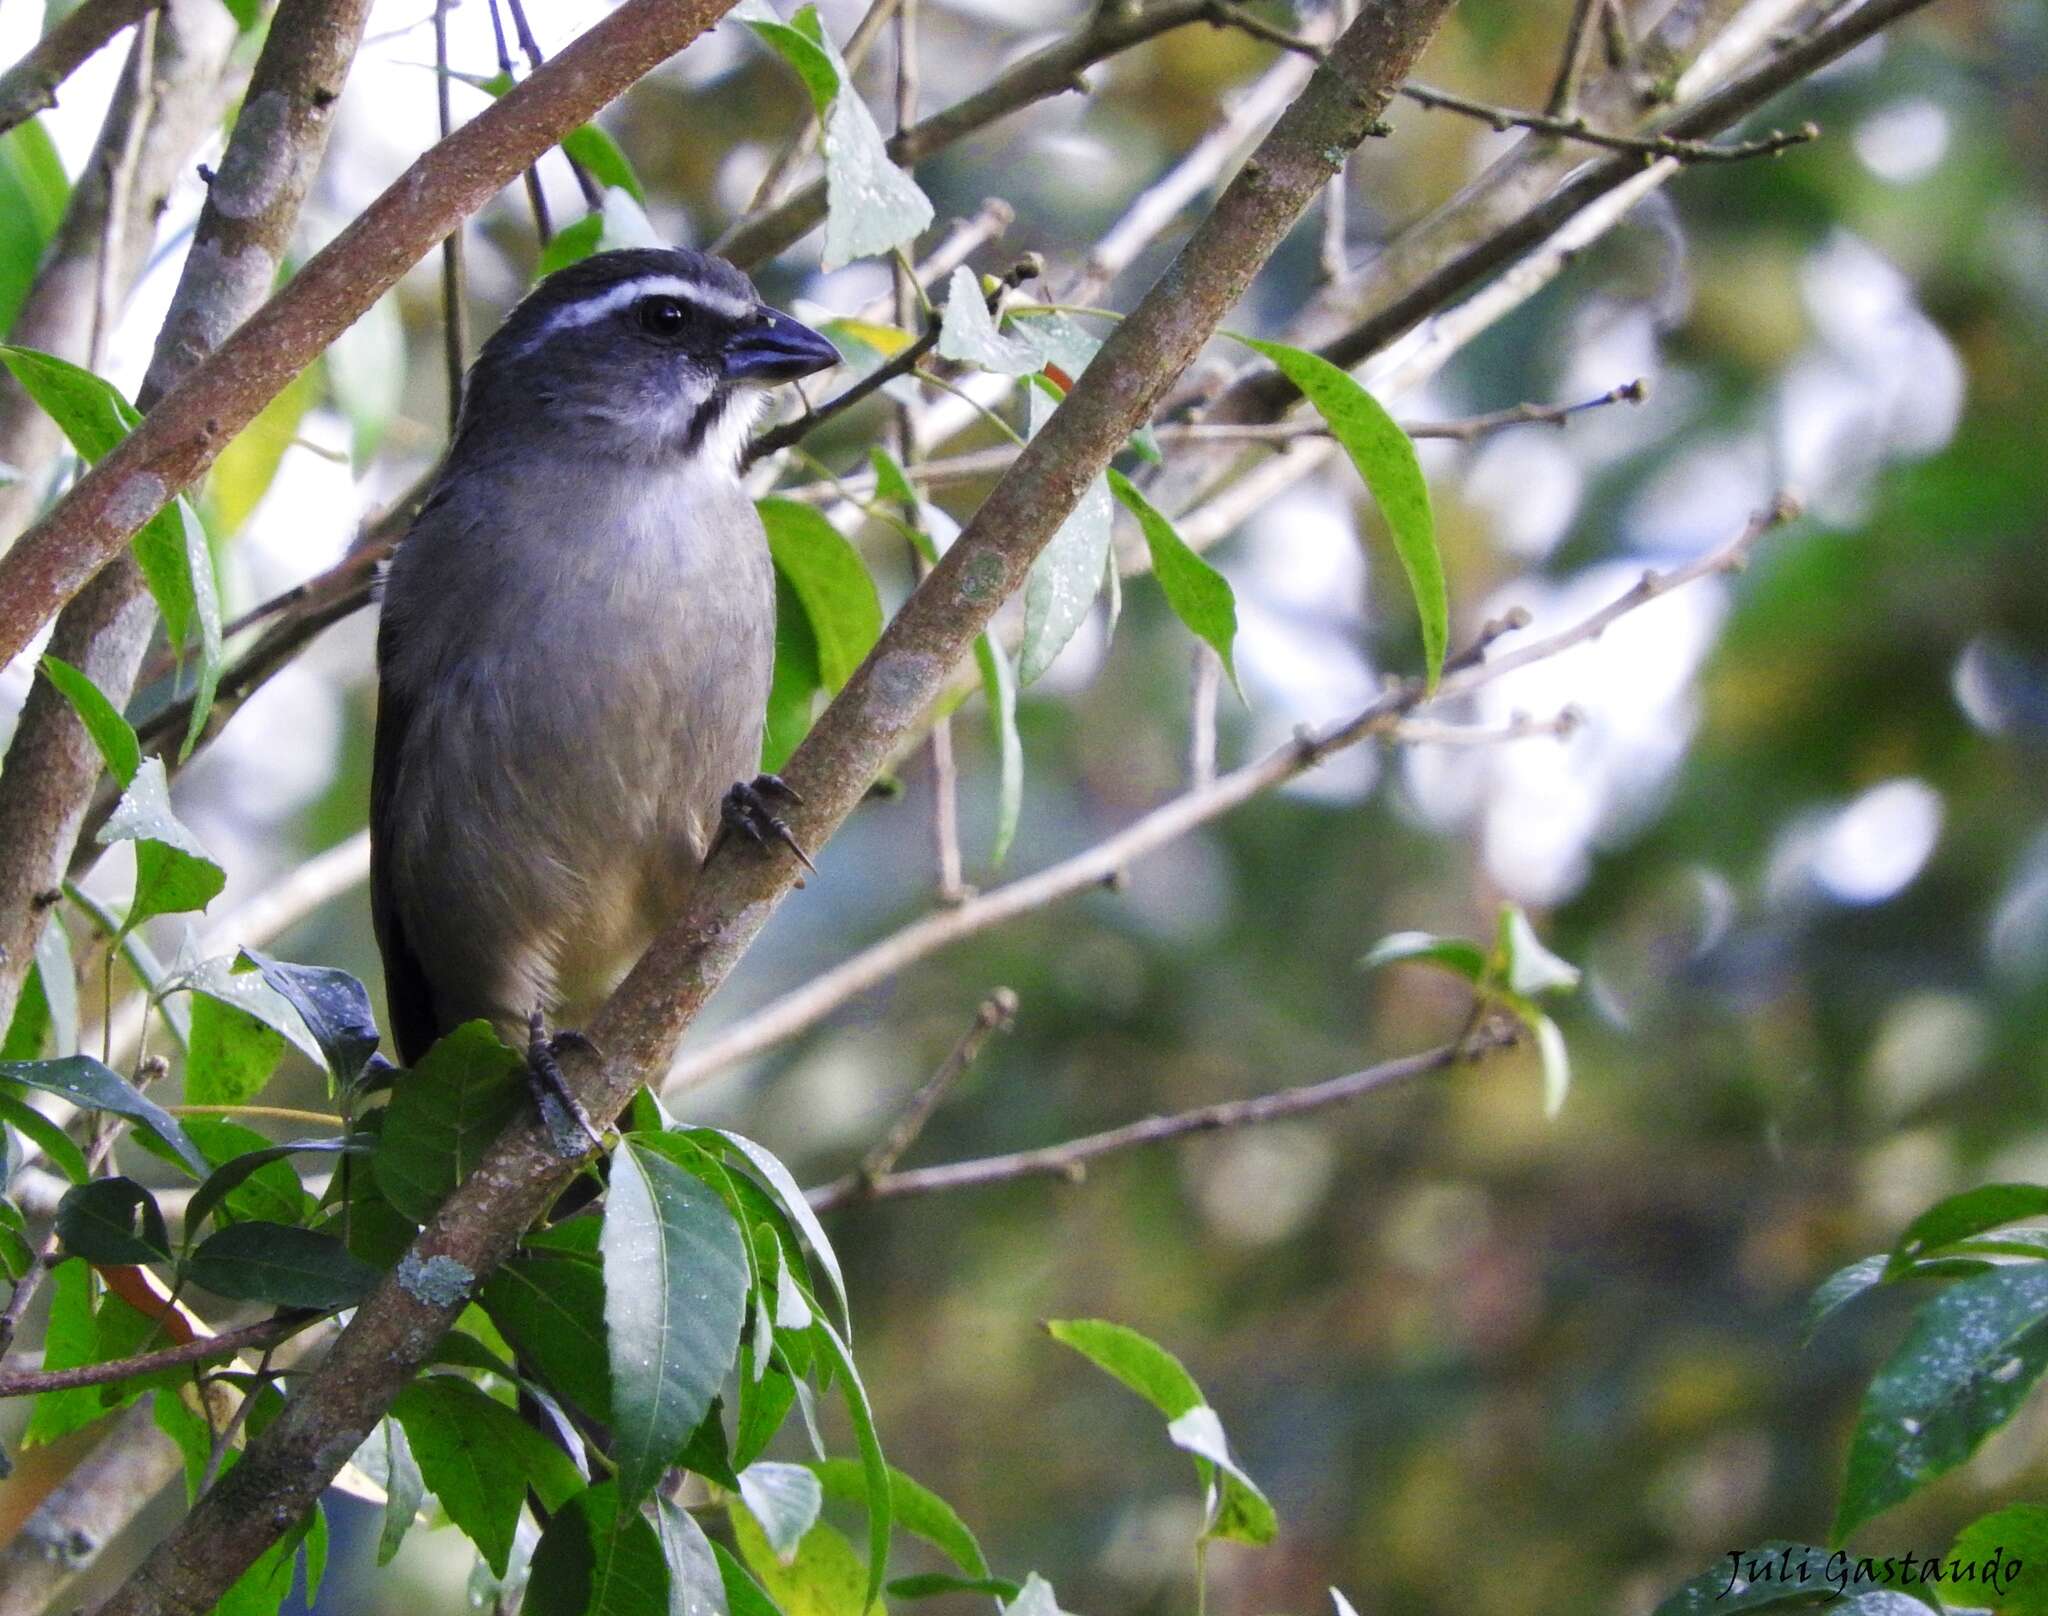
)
(777, 349)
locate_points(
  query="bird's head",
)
(653, 355)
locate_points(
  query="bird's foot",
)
(749, 809)
(568, 1124)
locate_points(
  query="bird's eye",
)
(661, 316)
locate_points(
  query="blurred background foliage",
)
(1480, 1362)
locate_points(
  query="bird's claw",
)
(749, 810)
(568, 1124)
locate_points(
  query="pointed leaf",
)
(110, 732)
(271, 1262)
(1385, 458)
(675, 1293)
(1458, 955)
(696, 1586)
(1960, 1216)
(173, 874)
(784, 1500)
(596, 1559)
(550, 1308)
(33, 194)
(444, 1115)
(825, 1579)
(1199, 595)
(112, 1220)
(1841, 1287)
(873, 1466)
(916, 1509)
(93, 1087)
(1531, 968)
(1067, 576)
(1968, 1361)
(333, 1006)
(790, 1197)
(999, 691)
(1139, 1362)
(831, 581)
(968, 334)
(1240, 1512)
(225, 1179)
(478, 1458)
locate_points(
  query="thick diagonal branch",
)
(199, 417)
(396, 1328)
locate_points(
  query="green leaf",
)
(825, 1578)
(916, 1509)
(1960, 1216)
(171, 546)
(247, 13)
(764, 1405)
(784, 1500)
(93, 1087)
(676, 1291)
(33, 196)
(68, 1343)
(112, 1220)
(999, 691)
(743, 1595)
(1067, 576)
(478, 1457)
(1551, 1053)
(2010, 1551)
(598, 1559)
(220, 1185)
(871, 205)
(696, 1585)
(231, 1055)
(404, 1488)
(1968, 1361)
(1385, 458)
(173, 874)
(1240, 1511)
(792, 694)
(1529, 967)
(272, 1262)
(550, 1309)
(17, 1256)
(1237, 1509)
(110, 732)
(968, 334)
(790, 1197)
(931, 1584)
(1458, 955)
(245, 469)
(332, 1005)
(571, 244)
(830, 580)
(1771, 1574)
(873, 1465)
(1140, 1363)
(604, 161)
(443, 1117)
(56, 1144)
(1840, 1288)
(1199, 595)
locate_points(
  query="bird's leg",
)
(749, 809)
(568, 1124)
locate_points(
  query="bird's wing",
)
(406, 989)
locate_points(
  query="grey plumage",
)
(576, 645)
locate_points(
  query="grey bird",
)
(577, 640)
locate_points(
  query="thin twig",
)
(454, 305)
(995, 1014)
(1205, 685)
(224, 1438)
(31, 84)
(536, 197)
(593, 193)
(803, 1008)
(1571, 67)
(1576, 128)
(1069, 1160)
(120, 186)
(263, 1333)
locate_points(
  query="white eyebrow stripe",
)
(592, 309)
